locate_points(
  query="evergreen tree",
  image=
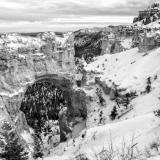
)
(12, 149)
(148, 87)
(154, 18)
(157, 113)
(117, 97)
(38, 146)
(127, 100)
(113, 113)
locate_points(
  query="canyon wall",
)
(92, 43)
(25, 60)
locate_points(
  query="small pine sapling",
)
(12, 149)
(114, 113)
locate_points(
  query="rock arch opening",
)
(41, 105)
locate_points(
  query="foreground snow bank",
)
(129, 70)
(142, 130)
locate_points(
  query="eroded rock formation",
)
(89, 44)
(23, 64)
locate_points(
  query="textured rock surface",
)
(146, 44)
(24, 62)
(151, 14)
(89, 44)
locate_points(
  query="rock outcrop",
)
(146, 40)
(26, 60)
(89, 44)
(149, 15)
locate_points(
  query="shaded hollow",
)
(42, 103)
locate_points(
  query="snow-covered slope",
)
(137, 129)
(128, 69)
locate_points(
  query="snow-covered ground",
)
(127, 43)
(129, 70)
(138, 128)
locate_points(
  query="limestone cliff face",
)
(23, 61)
(46, 59)
(18, 69)
(89, 44)
(146, 41)
(146, 44)
(149, 15)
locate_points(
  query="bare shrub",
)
(147, 152)
(130, 152)
(125, 152)
(81, 157)
(155, 145)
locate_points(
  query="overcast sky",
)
(62, 15)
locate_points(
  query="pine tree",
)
(148, 87)
(12, 149)
(154, 18)
(127, 100)
(38, 150)
(117, 97)
(113, 113)
(157, 113)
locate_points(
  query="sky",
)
(66, 15)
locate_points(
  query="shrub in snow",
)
(84, 134)
(155, 77)
(147, 152)
(11, 147)
(81, 157)
(154, 18)
(94, 136)
(155, 145)
(125, 152)
(157, 113)
(105, 155)
(133, 62)
(101, 118)
(148, 87)
(145, 54)
(117, 96)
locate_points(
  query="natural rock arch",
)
(22, 68)
(76, 102)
